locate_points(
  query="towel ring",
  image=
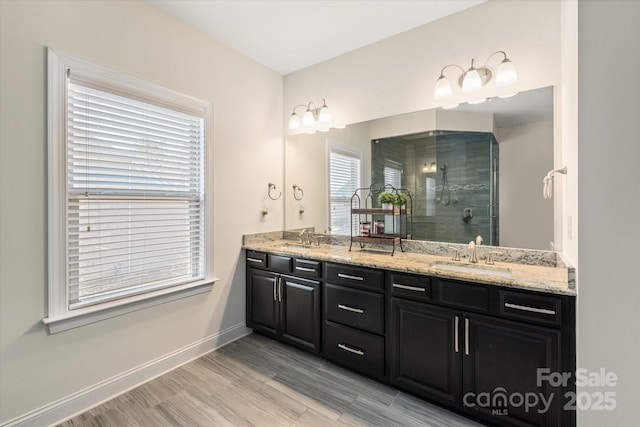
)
(272, 186)
(297, 189)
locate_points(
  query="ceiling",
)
(288, 35)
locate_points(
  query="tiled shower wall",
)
(468, 156)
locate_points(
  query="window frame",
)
(60, 317)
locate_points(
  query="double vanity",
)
(476, 338)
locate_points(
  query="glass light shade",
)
(443, 88)
(294, 122)
(472, 81)
(506, 74)
(324, 116)
(307, 119)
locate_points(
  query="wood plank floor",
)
(256, 381)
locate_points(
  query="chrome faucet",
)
(490, 257)
(305, 238)
(473, 253)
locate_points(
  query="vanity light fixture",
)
(314, 118)
(473, 79)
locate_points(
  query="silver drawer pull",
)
(305, 269)
(466, 337)
(455, 335)
(409, 288)
(532, 309)
(346, 276)
(352, 309)
(351, 350)
(254, 260)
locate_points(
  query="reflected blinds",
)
(135, 219)
(344, 180)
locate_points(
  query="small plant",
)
(387, 198)
(401, 199)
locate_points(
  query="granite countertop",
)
(556, 280)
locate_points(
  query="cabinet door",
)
(426, 356)
(501, 360)
(262, 303)
(300, 312)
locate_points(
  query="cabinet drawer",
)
(256, 259)
(354, 307)
(544, 309)
(464, 295)
(307, 268)
(355, 276)
(280, 263)
(410, 286)
(360, 351)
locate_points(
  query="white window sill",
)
(85, 316)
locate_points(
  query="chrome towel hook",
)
(297, 190)
(272, 186)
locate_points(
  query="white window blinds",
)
(344, 179)
(393, 176)
(135, 213)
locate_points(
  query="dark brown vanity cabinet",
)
(472, 347)
(283, 306)
(354, 319)
(479, 360)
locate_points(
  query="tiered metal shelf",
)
(397, 219)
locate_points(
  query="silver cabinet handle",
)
(409, 288)
(346, 276)
(532, 309)
(305, 269)
(455, 335)
(280, 291)
(275, 289)
(259, 261)
(351, 350)
(466, 337)
(352, 309)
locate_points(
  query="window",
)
(430, 186)
(128, 205)
(393, 174)
(344, 180)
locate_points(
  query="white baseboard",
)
(81, 401)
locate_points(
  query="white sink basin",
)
(481, 269)
(297, 247)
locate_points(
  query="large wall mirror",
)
(473, 170)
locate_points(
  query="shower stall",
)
(452, 177)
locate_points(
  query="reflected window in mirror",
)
(345, 177)
(393, 174)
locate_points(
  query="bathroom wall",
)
(609, 198)
(38, 369)
(526, 155)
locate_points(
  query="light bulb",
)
(506, 74)
(472, 81)
(307, 119)
(324, 116)
(443, 88)
(294, 121)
